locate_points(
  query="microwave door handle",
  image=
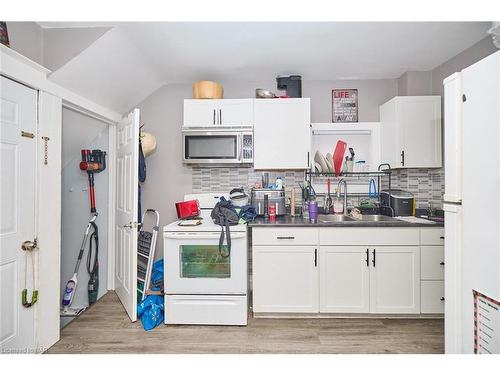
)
(240, 148)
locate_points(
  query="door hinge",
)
(464, 98)
(403, 158)
(27, 134)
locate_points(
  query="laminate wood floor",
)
(106, 328)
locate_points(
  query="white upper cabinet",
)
(282, 133)
(218, 112)
(236, 112)
(410, 130)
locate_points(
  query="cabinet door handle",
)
(403, 158)
(441, 238)
(374, 254)
(220, 116)
(367, 257)
(285, 238)
(308, 159)
(315, 257)
(442, 298)
(441, 263)
(214, 116)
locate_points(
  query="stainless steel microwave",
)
(217, 146)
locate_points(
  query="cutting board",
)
(338, 156)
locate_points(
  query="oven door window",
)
(211, 146)
(204, 261)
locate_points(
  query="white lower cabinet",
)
(347, 270)
(285, 279)
(432, 297)
(344, 279)
(395, 280)
(432, 271)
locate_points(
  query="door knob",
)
(29, 245)
(132, 224)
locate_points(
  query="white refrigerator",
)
(472, 204)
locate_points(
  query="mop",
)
(92, 162)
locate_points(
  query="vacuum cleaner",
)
(92, 162)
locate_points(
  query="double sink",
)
(335, 218)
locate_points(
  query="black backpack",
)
(225, 215)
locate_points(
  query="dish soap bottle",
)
(338, 203)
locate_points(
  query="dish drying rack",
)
(383, 170)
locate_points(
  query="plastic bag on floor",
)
(151, 310)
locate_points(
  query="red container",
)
(272, 212)
(187, 209)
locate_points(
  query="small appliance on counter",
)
(262, 199)
(187, 209)
(400, 201)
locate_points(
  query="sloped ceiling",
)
(112, 72)
(60, 45)
(132, 60)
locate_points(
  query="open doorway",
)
(79, 132)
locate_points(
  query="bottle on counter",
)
(279, 183)
(272, 212)
(313, 211)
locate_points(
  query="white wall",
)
(26, 38)
(61, 45)
(79, 132)
(51, 48)
(415, 83)
(464, 59)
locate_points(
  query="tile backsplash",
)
(426, 184)
(223, 179)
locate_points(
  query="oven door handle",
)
(200, 236)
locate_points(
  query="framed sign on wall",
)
(4, 35)
(486, 324)
(344, 105)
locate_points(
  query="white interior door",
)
(18, 113)
(127, 179)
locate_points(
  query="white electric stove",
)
(202, 285)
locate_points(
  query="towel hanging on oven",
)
(225, 215)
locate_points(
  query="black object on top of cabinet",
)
(291, 84)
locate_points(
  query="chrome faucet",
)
(343, 182)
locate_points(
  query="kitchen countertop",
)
(298, 221)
